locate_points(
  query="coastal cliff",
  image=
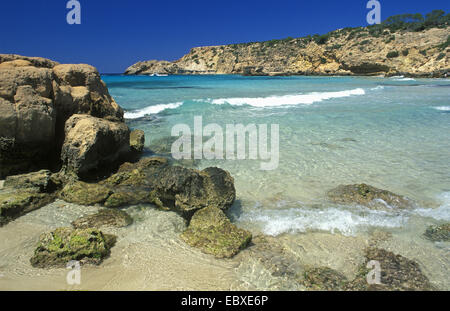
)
(395, 47)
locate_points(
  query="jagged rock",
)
(438, 233)
(137, 140)
(93, 144)
(17, 203)
(212, 232)
(152, 67)
(368, 196)
(57, 248)
(397, 273)
(37, 97)
(84, 193)
(104, 218)
(41, 181)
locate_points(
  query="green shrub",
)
(405, 52)
(423, 52)
(392, 54)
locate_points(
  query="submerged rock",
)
(323, 279)
(397, 273)
(368, 196)
(104, 218)
(84, 193)
(212, 232)
(57, 248)
(137, 140)
(438, 233)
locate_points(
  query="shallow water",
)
(392, 133)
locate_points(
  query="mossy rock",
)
(438, 233)
(18, 203)
(84, 193)
(104, 218)
(57, 248)
(137, 140)
(212, 232)
(368, 196)
(41, 181)
(324, 279)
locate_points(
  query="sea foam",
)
(442, 108)
(287, 100)
(277, 221)
(150, 110)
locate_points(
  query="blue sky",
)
(115, 34)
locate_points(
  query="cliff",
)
(386, 49)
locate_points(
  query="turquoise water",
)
(392, 133)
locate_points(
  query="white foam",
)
(379, 87)
(442, 108)
(440, 213)
(287, 100)
(404, 79)
(151, 110)
(275, 222)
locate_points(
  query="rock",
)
(57, 248)
(104, 218)
(84, 193)
(438, 233)
(152, 67)
(93, 145)
(368, 196)
(397, 273)
(137, 140)
(18, 203)
(324, 279)
(183, 190)
(37, 97)
(212, 232)
(37, 181)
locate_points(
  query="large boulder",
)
(92, 144)
(211, 231)
(85, 194)
(37, 97)
(368, 196)
(58, 248)
(438, 233)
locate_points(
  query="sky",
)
(115, 34)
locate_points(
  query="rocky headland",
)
(395, 47)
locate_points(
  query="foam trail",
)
(276, 222)
(440, 213)
(287, 100)
(442, 108)
(151, 110)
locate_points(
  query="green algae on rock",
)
(212, 232)
(41, 181)
(137, 140)
(57, 248)
(438, 233)
(368, 196)
(104, 218)
(18, 203)
(84, 193)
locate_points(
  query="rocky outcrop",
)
(104, 218)
(37, 98)
(58, 248)
(153, 180)
(349, 51)
(368, 196)
(211, 231)
(438, 233)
